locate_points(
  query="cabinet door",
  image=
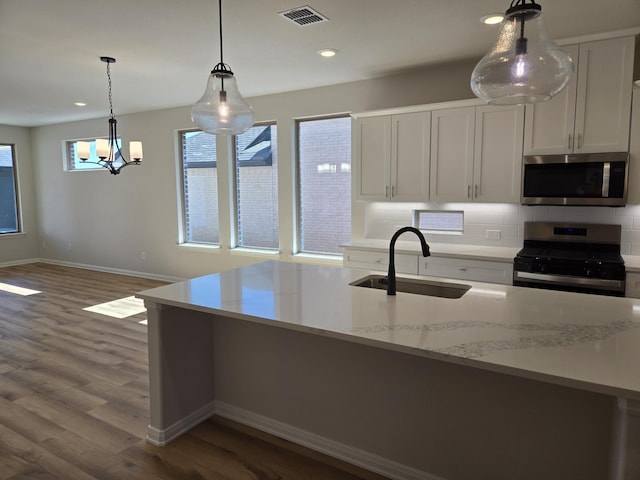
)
(634, 151)
(379, 261)
(498, 154)
(410, 139)
(605, 82)
(452, 143)
(549, 125)
(465, 269)
(372, 153)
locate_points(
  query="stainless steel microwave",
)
(598, 179)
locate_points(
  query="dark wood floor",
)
(74, 395)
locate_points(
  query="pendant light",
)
(221, 108)
(108, 150)
(524, 65)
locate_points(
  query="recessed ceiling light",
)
(80, 104)
(492, 19)
(328, 52)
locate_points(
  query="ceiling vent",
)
(303, 16)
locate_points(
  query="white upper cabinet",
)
(391, 154)
(476, 154)
(452, 144)
(592, 113)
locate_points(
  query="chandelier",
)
(108, 150)
(524, 65)
(221, 109)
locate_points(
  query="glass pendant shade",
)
(222, 109)
(524, 65)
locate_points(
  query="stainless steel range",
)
(577, 257)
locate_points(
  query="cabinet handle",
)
(393, 191)
(476, 194)
(468, 191)
(570, 142)
(579, 141)
(463, 269)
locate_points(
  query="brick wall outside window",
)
(325, 184)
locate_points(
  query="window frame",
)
(183, 235)
(297, 234)
(16, 191)
(235, 228)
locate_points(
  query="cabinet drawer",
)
(632, 286)
(474, 270)
(380, 261)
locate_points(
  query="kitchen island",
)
(505, 382)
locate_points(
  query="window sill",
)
(318, 259)
(254, 252)
(12, 234)
(200, 247)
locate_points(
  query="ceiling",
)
(50, 49)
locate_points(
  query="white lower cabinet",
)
(415, 264)
(405, 263)
(464, 269)
(632, 285)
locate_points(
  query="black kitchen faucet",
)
(391, 275)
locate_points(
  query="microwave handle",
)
(606, 175)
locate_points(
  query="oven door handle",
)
(569, 280)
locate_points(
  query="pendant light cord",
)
(220, 23)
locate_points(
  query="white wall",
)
(93, 218)
(24, 246)
(383, 219)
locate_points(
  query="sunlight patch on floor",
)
(5, 287)
(121, 308)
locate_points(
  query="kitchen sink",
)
(411, 285)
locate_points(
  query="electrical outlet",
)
(44, 244)
(143, 255)
(493, 234)
(69, 246)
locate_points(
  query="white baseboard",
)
(19, 262)
(162, 437)
(354, 456)
(117, 271)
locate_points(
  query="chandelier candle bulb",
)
(84, 150)
(135, 150)
(102, 148)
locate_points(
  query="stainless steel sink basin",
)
(411, 285)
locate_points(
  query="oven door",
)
(527, 274)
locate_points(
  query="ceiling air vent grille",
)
(303, 16)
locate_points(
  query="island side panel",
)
(452, 421)
(181, 383)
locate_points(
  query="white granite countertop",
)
(586, 341)
(472, 252)
(453, 250)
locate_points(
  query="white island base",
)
(504, 383)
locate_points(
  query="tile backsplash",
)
(382, 219)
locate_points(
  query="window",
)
(9, 219)
(74, 162)
(257, 188)
(439, 221)
(199, 187)
(324, 209)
